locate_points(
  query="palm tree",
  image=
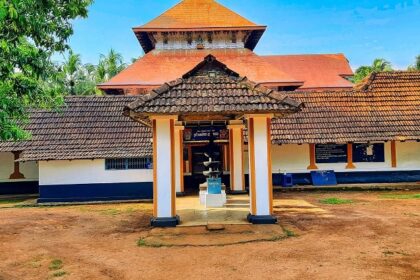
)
(416, 65)
(70, 69)
(378, 65)
(110, 65)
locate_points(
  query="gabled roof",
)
(158, 67)
(317, 71)
(211, 89)
(198, 15)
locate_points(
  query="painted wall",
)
(87, 172)
(29, 169)
(295, 159)
(29, 185)
(87, 180)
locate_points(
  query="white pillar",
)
(236, 158)
(164, 213)
(179, 158)
(260, 173)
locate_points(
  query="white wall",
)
(290, 158)
(408, 155)
(295, 159)
(60, 172)
(28, 169)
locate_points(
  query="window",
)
(128, 163)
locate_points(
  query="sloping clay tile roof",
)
(158, 67)
(86, 128)
(211, 88)
(318, 71)
(386, 107)
(197, 14)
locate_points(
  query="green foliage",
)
(378, 65)
(416, 65)
(335, 201)
(81, 79)
(30, 32)
(56, 264)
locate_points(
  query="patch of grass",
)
(400, 196)
(335, 201)
(11, 201)
(289, 233)
(141, 243)
(56, 264)
(59, 273)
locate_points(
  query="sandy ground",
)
(372, 238)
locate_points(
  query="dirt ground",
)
(373, 235)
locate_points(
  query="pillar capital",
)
(249, 116)
(163, 117)
(237, 124)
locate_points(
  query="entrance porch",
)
(212, 92)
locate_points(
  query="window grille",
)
(128, 163)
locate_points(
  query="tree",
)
(30, 32)
(110, 65)
(378, 65)
(71, 70)
(416, 65)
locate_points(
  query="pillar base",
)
(237, 192)
(165, 222)
(261, 219)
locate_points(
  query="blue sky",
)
(362, 30)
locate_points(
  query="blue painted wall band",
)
(95, 192)
(26, 187)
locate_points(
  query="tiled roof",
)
(317, 71)
(386, 108)
(159, 67)
(197, 14)
(85, 128)
(211, 88)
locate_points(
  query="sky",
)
(361, 29)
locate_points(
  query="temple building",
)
(274, 120)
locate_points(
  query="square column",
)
(179, 158)
(236, 158)
(164, 211)
(260, 173)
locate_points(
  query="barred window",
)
(128, 163)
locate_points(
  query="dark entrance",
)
(197, 137)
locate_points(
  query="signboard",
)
(369, 152)
(330, 153)
(214, 185)
(203, 133)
